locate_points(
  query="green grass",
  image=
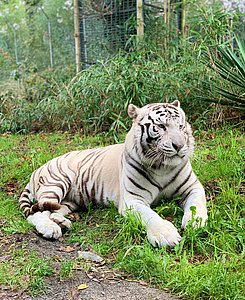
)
(207, 264)
(25, 270)
(66, 269)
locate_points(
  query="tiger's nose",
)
(177, 147)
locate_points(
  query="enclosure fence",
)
(42, 36)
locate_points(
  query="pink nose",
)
(177, 147)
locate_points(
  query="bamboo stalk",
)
(77, 36)
(165, 21)
(183, 18)
(169, 12)
(140, 19)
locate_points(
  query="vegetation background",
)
(37, 97)
(46, 109)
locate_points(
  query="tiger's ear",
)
(133, 111)
(176, 103)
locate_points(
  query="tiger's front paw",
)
(163, 233)
(198, 220)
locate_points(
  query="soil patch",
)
(99, 283)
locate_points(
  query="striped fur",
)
(151, 164)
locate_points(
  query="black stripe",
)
(133, 193)
(71, 205)
(63, 173)
(142, 132)
(144, 174)
(183, 199)
(133, 159)
(102, 194)
(175, 176)
(24, 205)
(87, 158)
(55, 176)
(25, 201)
(50, 184)
(138, 185)
(183, 183)
(92, 195)
(186, 196)
(152, 120)
(55, 195)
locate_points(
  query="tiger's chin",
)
(167, 160)
(174, 160)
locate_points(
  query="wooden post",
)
(140, 19)
(165, 22)
(183, 18)
(77, 36)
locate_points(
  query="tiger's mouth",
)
(173, 150)
(157, 156)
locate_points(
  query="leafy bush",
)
(104, 91)
(229, 64)
(97, 98)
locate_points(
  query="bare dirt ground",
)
(102, 282)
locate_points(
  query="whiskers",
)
(154, 158)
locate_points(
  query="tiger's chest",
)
(154, 184)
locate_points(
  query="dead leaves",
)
(82, 286)
(67, 249)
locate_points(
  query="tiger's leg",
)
(160, 232)
(50, 224)
(194, 197)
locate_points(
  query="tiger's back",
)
(76, 179)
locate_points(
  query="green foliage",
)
(229, 65)
(211, 26)
(24, 35)
(97, 98)
(161, 68)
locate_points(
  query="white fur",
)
(163, 233)
(48, 228)
(60, 220)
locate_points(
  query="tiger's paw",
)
(163, 233)
(46, 227)
(198, 220)
(60, 220)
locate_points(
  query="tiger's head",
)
(161, 134)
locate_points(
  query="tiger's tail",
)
(26, 201)
(29, 205)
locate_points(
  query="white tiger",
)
(152, 164)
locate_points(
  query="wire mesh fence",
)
(105, 27)
(35, 35)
